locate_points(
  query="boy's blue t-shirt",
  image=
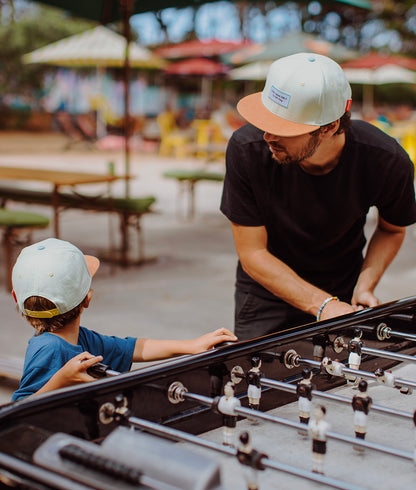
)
(47, 353)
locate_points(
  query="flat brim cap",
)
(302, 92)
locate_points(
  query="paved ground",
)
(188, 289)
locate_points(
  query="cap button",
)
(41, 247)
(312, 58)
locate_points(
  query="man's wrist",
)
(321, 308)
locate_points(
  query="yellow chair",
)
(209, 140)
(172, 139)
(408, 141)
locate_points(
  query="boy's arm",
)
(72, 373)
(155, 349)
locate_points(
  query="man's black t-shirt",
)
(315, 222)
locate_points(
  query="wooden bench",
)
(130, 210)
(189, 178)
(13, 223)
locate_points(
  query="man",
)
(300, 180)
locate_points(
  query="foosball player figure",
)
(317, 429)
(361, 404)
(251, 460)
(334, 368)
(226, 406)
(354, 348)
(304, 393)
(386, 378)
(253, 378)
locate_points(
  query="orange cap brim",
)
(252, 109)
(92, 263)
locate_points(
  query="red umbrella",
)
(376, 60)
(196, 47)
(196, 66)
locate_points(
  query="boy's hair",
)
(37, 303)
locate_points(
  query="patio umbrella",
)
(252, 71)
(196, 47)
(205, 68)
(296, 42)
(99, 47)
(384, 74)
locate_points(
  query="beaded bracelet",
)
(321, 308)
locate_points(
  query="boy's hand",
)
(75, 370)
(209, 340)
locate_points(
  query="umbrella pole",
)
(127, 7)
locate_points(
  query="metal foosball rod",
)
(179, 393)
(280, 385)
(293, 359)
(178, 435)
(384, 332)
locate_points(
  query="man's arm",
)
(383, 247)
(278, 278)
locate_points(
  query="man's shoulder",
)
(367, 134)
(248, 134)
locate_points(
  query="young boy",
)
(51, 286)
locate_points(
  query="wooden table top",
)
(56, 177)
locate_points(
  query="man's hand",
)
(336, 308)
(364, 299)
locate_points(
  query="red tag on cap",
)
(348, 106)
(14, 295)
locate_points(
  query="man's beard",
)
(302, 155)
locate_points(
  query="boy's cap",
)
(302, 92)
(56, 270)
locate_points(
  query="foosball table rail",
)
(92, 411)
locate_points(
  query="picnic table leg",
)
(191, 194)
(124, 231)
(55, 204)
(8, 250)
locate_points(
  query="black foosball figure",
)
(317, 428)
(226, 405)
(304, 393)
(253, 378)
(251, 460)
(361, 404)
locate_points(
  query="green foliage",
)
(37, 27)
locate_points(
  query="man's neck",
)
(326, 157)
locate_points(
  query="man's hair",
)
(344, 123)
(38, 303)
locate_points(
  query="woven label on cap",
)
(348, 105)
(279, 97)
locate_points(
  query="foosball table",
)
(325, 404)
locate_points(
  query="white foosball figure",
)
(253, 378)
(304, 393)
(335, 368)
(361, 404)
(251, 461)
(317, 429)
(226, 405)
(386, 378)
(354, 349)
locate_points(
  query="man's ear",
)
(330, 129)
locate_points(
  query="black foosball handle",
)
(101, 370)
